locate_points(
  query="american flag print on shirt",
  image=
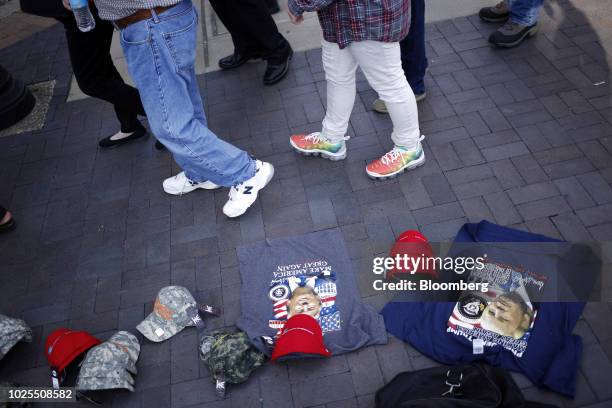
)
(325, 287)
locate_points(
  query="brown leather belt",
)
(139, 16)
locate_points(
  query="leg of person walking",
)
(330, 143)
(414, 57)
(521, 17)
(272, 6)
(160, 53)
(255, 35)
(382, 67)
(246, 47)
(525, 12)
(97, 77)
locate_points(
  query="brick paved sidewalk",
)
(16, 26)
(522, 137)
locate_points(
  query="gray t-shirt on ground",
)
(311, 274)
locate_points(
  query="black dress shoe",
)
(233, 61)
(137, 134)
(277, 69)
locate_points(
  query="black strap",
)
(454, 379)
(268, 343)
(209, 310)
(220, 385)
(195, 317)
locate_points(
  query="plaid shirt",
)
(345, 21)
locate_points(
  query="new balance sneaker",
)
(180, 184)
(315, 144)
(379, 105)
(512, 34)
(496, 14)
(398, 160)
(243, 195)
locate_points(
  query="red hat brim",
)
(301, 335)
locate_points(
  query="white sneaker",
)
(243, 195)
(180, 184)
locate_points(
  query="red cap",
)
(301, 335)
(63, 346)
(415, 245)
(412, 236)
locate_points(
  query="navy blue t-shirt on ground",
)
(545, 350)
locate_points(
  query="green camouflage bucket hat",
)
(109, 364)
(169, 314)
(12, 331)
(230, 356)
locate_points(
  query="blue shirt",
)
(548, 353)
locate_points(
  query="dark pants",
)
(96, 74)
(414, 60)
(253, 29)
(272, 6)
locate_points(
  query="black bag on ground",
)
(466, 386)
(44, 8)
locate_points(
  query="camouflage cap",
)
(230, 353)
(127, 342)
(109, 364)
(97, 362)
(116, 375)
(169, 314)
(118, 379)
(12, 331)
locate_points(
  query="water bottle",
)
(82, 14)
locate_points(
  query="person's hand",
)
(67, 4)
(295, 19)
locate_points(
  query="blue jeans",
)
(160, 54)
(524, 12)
(414, 59)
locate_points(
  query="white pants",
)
(381, 63)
